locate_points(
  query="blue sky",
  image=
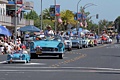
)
(107, 9)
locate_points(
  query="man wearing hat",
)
(49, 31)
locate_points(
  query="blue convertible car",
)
(18, 57)
(49, 45)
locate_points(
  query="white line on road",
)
(85, 68)
(90, 71)
(3, 62)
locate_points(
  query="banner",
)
(75, 16)
(52, 10)
(79, 16)
(57, 7)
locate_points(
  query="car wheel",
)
(70, 49)
(60, 56)
(86, 46)
(27, 61)
(33, 56)
(79, 47)
(8, 62)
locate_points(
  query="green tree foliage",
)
(68, 17)
(103, 23)
(33, 15)
(117, 23)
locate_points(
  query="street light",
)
(78, 5)
(87, 5)
(41, 15)
(84, 7)
(15, 29)
(77, 16)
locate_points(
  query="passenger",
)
(49, 31)
(24, 51)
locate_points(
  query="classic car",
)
(50, 45)
(94, 40)
(90, 42)
(18, 57)
(68, 43)
(85, 42)
(76, 42)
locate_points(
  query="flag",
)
(20, 9)
(60, 20)
(81, 24)
(86, 24)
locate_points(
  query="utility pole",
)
(78, 23)
(41, 15)
(15, 30)
(55, 17)
(97, 16)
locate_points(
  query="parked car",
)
(18, 57)
(76, 42)
(50, 45)
(68, 43)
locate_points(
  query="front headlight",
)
(68, 43)
(60, 45)
(31, 44)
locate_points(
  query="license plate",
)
(38, 52)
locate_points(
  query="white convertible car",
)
(68, 43)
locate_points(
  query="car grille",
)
(49, 49)
(15, 58)
(74, 43)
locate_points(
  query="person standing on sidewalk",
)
(118, 38)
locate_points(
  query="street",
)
(94, 63)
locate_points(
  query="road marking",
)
(78, 68)
(71, 60)
(2, 62)
(62, 70)
(34, 64)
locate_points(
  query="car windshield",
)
(66, 38)
(53, 37)
(74, 37)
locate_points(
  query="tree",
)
(46, 15)
(117, 23)
(68, 17)
(34, 16)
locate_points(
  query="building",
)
(7, 12)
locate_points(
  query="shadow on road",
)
(48, 57)
(108, 72)
(111, 55)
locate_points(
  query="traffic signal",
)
(97, 16)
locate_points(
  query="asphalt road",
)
(95, 63)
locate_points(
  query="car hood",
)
(46, 43)
(16, 55)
